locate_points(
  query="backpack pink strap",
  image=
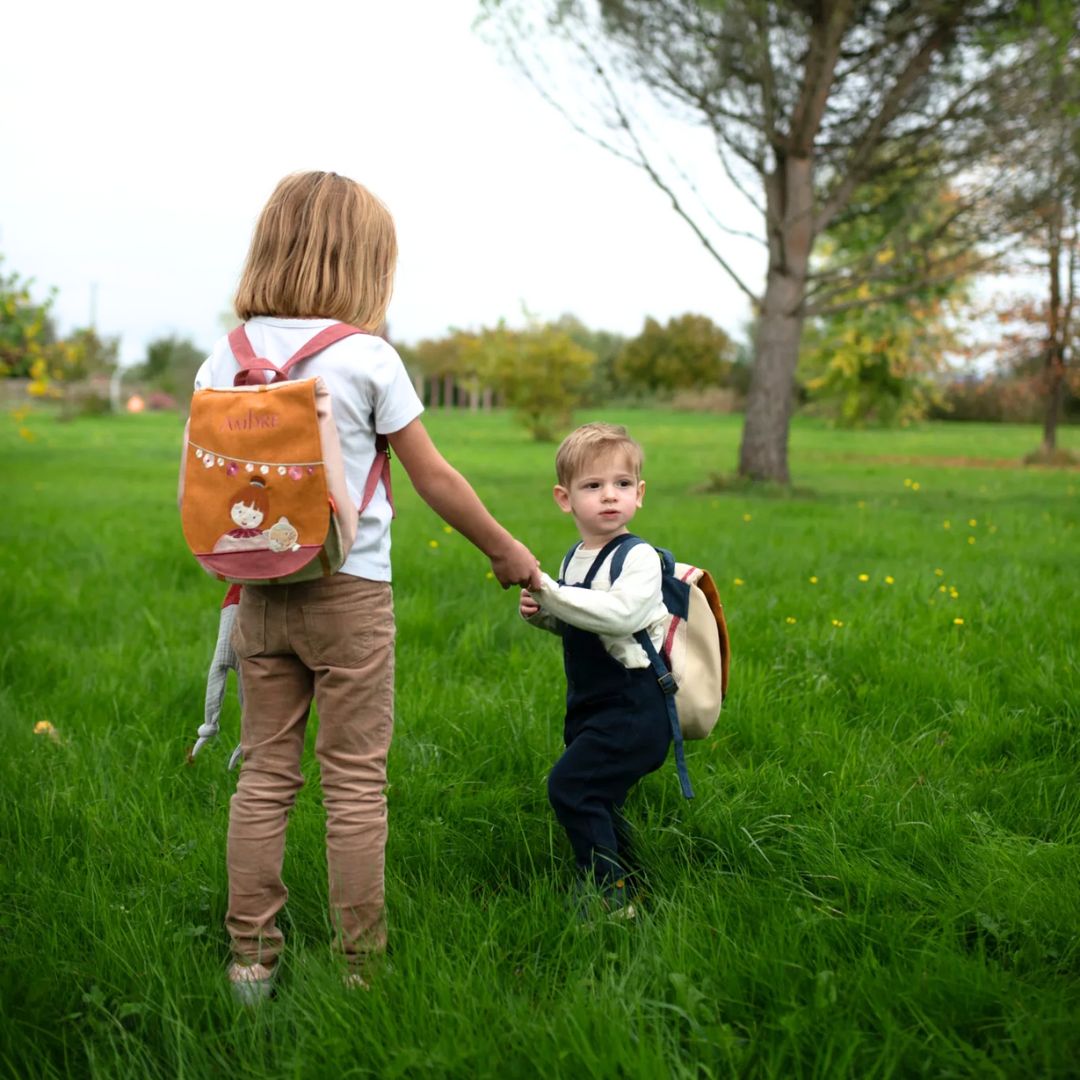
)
(249, 362)
(322, 340)
(380, 470)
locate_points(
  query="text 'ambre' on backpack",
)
(263, 497)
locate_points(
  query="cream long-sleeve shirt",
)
(615, 612)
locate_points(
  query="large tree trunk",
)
(1055, 399)
(770, 400)
(1055, 353)
(764, 451)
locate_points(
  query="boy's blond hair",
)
(591, 441)
(323, 247)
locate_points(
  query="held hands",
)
(517, 565)
(527, 606)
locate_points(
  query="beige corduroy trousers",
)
(331, 640)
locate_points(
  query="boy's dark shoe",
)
(593, 901)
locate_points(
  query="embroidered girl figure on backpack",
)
(323, 253)
(248, 509)
(617, 728)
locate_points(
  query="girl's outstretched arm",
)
(451, 496)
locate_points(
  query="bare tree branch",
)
(524, 68)
(692, 187)
(819, 70)
(866, 148)
(644, 163)
(769, 106)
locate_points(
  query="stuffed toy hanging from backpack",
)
(224, 660)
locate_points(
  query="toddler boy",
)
(616, 728)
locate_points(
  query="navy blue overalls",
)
(617, 730)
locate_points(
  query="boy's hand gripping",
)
(527, 606)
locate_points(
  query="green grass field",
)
(880, 875)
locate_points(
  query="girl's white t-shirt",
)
(371, 394)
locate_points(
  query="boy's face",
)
(603, 498)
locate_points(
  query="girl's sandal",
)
(251, 983)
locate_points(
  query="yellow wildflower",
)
(739, 581)
(43, 727)
(946, 524)
(958, 622)
(889, 579)
(791, 620)
(972, 522)
(907, 483)
(939, 572)
(971, 539)
(747, 517)
(838, 622)
(864, 577)
(915, 485)
(433, 543)
(813, 579)
(447, 529)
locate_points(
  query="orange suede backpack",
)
(263, 498)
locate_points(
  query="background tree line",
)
(892, 362)
(545, 370)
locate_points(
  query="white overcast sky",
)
(140, 141)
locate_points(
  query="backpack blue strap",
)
(669, 686)
(676, 593)
(566, 561)
(626, 542)
(676, 596)
(619, 545)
